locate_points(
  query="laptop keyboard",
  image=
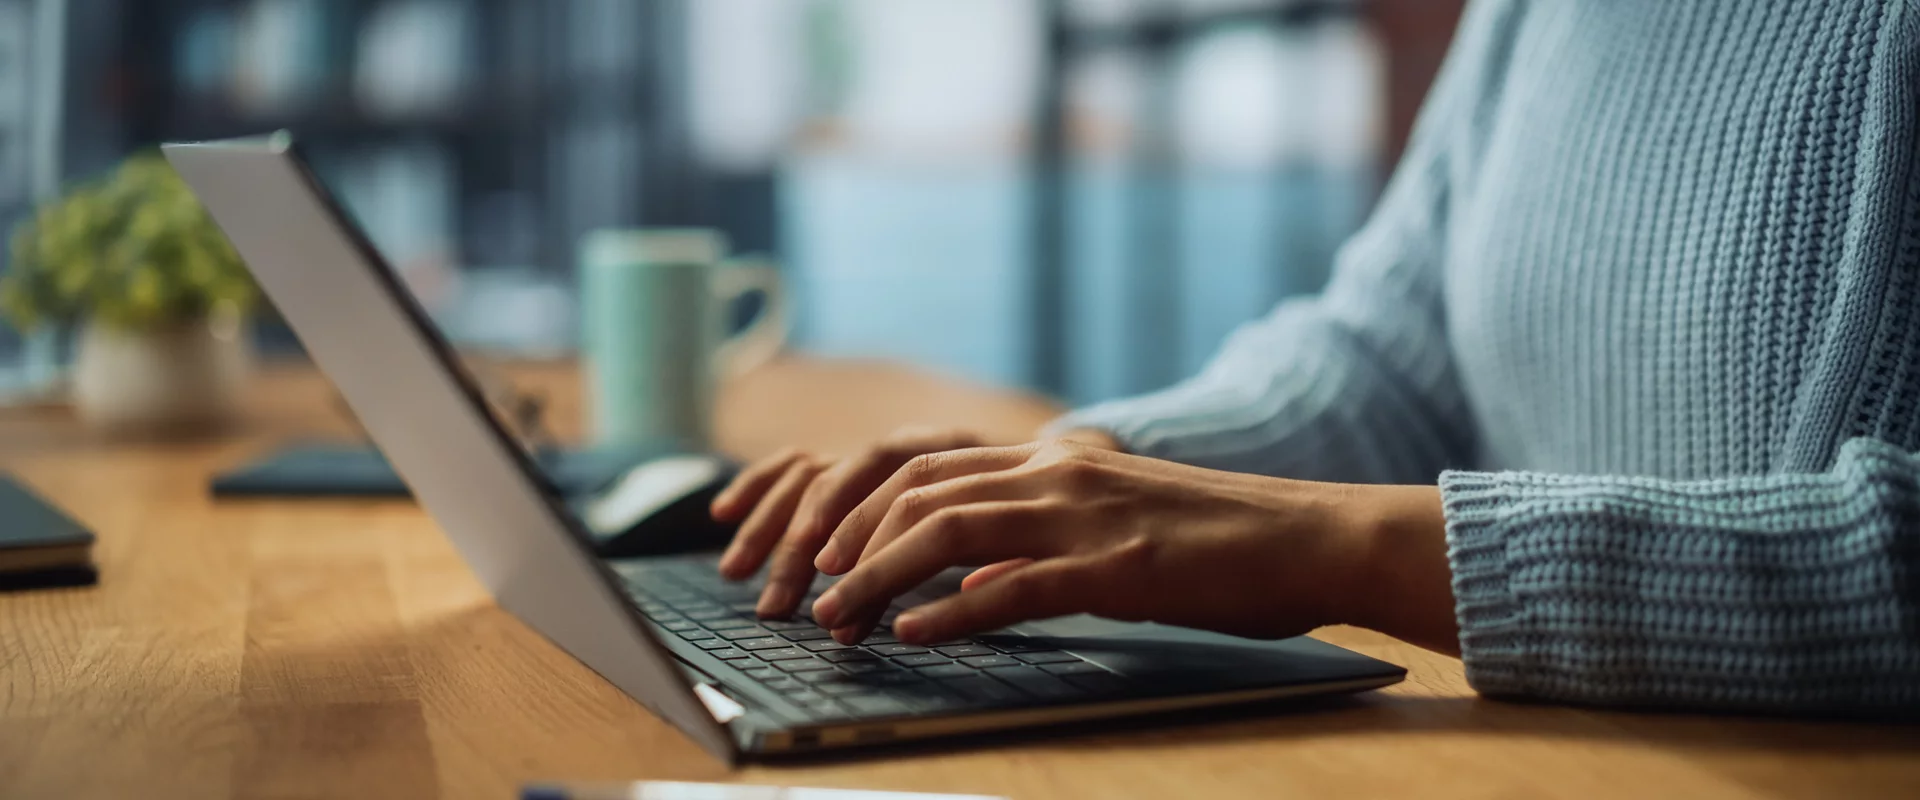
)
(878, 677)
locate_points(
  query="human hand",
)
(788, 504)
(1062, 528)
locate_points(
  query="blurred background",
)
(1077, 196)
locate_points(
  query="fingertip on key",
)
(910, 627)
(826, 610)
(777, 601)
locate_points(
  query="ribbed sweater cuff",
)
(1492, 622)
(1750, 592)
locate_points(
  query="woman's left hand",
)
(1064, 529)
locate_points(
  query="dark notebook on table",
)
(358, 470)
(39, 545)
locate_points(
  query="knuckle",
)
(922, 468)
(914, 504)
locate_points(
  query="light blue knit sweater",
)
(1644, 299)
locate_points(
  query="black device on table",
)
(39, 545)
(634, 500)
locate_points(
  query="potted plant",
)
(159, 296)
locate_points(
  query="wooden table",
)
(341, 649)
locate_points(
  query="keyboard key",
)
(888, 678)
(783, 684)
(694, 635)
(1103, 683)
(1014, 644)
(767, 643)
(1074, 668)
(947, 670)
(825, 646)
(746, 607)
(729, 654)
(843, 656)
(823, 676)
(681, 624)
(877, 705)
(835, 685)
(784, 625)
(732, 623)
(804, 696)
(897, 649)
(759, 670)
(927, 700)
(1054, 657)
(989, 662)
(1035, 682)
(753, 632)
(807, 634)
(713, 644)
(709, 615)
(879, 639)
(982, 689)
(807, 665)
(782, 654)
(863, 667)
(922, 660)
(964, 650)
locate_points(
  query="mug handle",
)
(767, 335)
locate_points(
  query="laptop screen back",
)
(401, 379)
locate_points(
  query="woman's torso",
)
(1684, 240)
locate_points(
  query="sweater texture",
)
(1643, 297)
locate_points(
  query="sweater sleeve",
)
(1357, 384)
(1781, 593)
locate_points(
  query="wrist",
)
(1403, 585)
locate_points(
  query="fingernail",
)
(907, 627)
(775, 600)
(829, 560)
(826, 610)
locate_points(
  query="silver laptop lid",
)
(399, 376)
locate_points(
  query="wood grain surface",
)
(341, 649)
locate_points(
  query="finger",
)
(746, 489)
(915, 505)
(792, 572)
(847, 483)
(1054, 587)
(981, 533)
(991, 572)
(851, 536)
(763, 527)
(858, 630)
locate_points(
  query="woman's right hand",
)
(788, 505)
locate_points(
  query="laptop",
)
(668, 631)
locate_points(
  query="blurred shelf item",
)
(1169, 25)
(342, 120)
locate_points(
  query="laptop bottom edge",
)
(860, 733)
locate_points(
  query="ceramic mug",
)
(654, 310)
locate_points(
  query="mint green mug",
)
(654, 308)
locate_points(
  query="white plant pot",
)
(182, 378)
